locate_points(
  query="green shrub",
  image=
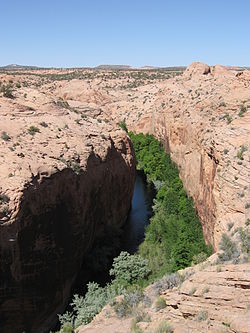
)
(5, 136)
(7, 90)
(134, 327)
(167, 282)
(205, 290)
(164, 327)
(202, 315)
(95, 299)
(32, 130)
(245, 240)
(67, 322)
(4, 198)
(229, 249)
(123, 125)
(200, 257)
(128, 303)
(160, 303)
(228, 118)
(129, 268)
(241, 152)
(44, 124)
(243, 109)
(192, 291)
(141, 316)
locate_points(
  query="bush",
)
(123, 125)
(202, 315)
(160, 303)
(229, 249)
(4, 198)
(134, 327)
(128, 303)
(95, 299)
(241, 152)
(5, 136)
(243, 109)
(7, 90)
(129, 268)
(32, 130)
(67, 322)
(164, 327)
(44, 124)
(167, 282)
(200, 257)
(245, 240)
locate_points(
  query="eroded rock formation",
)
(202, 117)
(63, 179)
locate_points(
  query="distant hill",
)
(113, 67)
(15, 66)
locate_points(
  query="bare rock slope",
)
(214, 299)
(63, 179)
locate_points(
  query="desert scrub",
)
(141, 316)
(7, 90)
(86, 307)
(192, 291)
(243, 109)
(167, 282)
(160, 303)
(164, 327)
(202, 315)
(129, 268)
(245, 240)
(229, 248)
(128, 303)
(5, 136)
(123, 125)
(198, 258)
(240, 153)
(4, 198)
(44, 124)
(205, 290)
(32, 130)
(134, 328)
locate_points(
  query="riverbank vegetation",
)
(173, 240)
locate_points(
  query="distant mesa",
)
(15, 66)
(113, 67)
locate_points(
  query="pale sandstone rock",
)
(65, 183)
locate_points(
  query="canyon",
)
(67, 170)
(62, 185)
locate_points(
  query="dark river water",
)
(139, 215)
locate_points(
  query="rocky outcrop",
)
(63, 179)
(213, 299)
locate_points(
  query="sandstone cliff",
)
(203, 119)
(63, 179)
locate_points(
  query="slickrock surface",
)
(77, 156)
(214, 299)
(62, 182)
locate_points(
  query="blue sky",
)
(68, 33)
